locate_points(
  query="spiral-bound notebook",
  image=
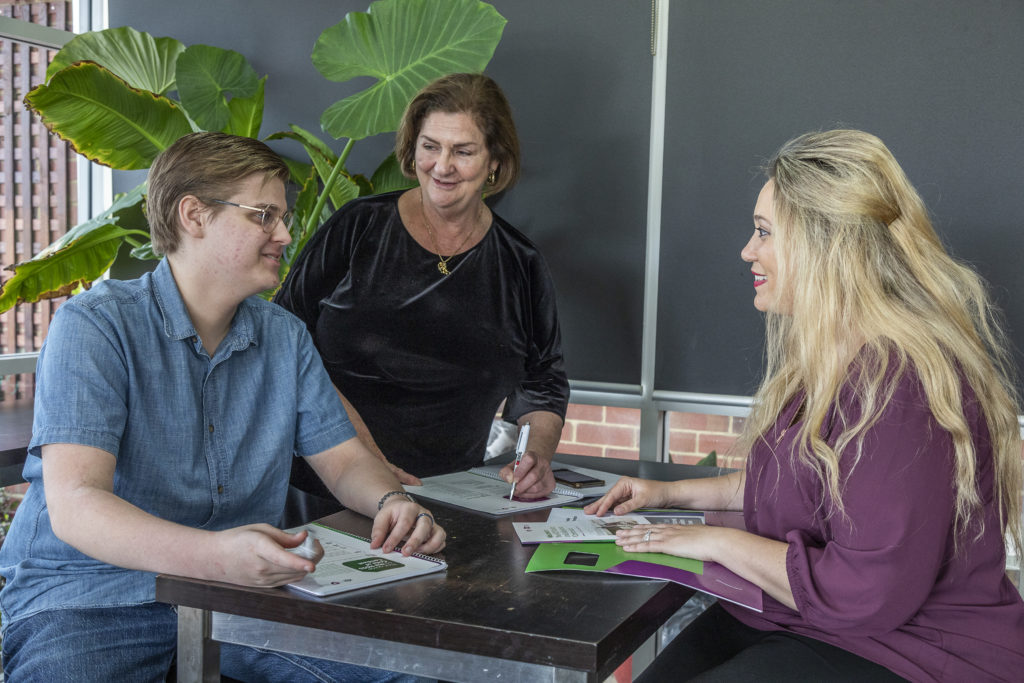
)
(350, 563)
(482, 489)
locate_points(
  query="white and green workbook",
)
(350, 563)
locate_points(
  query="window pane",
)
(692, 436)
(602, 431)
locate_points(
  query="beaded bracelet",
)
(384, 498)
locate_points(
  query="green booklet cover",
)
(708, 577)
(598, 556)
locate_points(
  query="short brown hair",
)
(202, 164)
(480, 97)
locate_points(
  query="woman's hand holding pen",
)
(530, 475)
(533, 476)
(629, 493)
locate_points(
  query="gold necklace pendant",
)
(442, 265)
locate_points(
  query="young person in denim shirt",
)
(167, 412)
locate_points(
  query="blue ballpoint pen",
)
(524, 436)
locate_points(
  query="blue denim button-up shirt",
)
(205, 442)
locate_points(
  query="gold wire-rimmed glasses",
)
(269, 215)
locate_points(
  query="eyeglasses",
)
(268, 214)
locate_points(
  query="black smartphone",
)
(575, 479)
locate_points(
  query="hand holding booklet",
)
(350, 563)
(572, 540)
(568, 525)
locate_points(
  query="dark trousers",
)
(717, 647)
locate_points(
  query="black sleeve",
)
(546, 386)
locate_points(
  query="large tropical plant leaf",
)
(144, 62)
(124, 212)
(135, 217)
(308, 140)
(404, 44)
(363, 183)
(344, 188)
(247, 113)
(300, 170)
(144, 252)
(205, 76)
(105, 119)
(389, 177)
(305, 202)
(76, 259)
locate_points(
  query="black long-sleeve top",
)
(426, 358)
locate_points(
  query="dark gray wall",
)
(941, 82)
(578, 74)
(583, 195)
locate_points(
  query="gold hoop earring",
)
(412, 166)
(492, 177)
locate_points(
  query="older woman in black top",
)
(428, 309)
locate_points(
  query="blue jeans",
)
(138, 643)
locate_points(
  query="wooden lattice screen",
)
(37, 182)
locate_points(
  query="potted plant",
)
(120, 96)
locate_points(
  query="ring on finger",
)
(647, 537)
(427, 515)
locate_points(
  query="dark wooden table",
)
(484, 619)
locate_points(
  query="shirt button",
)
(211, 429)
(220, 488)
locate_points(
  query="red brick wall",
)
(602, 431)
(610, 432)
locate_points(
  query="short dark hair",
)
(202, 164)
(480, 97)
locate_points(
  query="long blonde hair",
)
(868, 276)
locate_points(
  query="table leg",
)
(198, 654)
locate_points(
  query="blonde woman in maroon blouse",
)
(884, 452)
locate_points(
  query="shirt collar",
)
(178, 323)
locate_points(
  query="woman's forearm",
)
(545, 432)
(710, 493)
(362, 431)
(757, 559)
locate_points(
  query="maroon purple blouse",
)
(885, 582)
